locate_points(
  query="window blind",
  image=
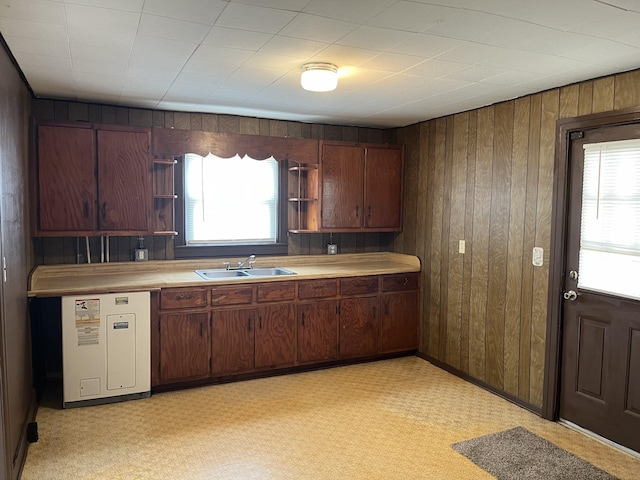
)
(230, 200)
(610, 223)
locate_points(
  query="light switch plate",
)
(538, 256)
(461, 246)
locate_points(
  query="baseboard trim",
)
(496, 391)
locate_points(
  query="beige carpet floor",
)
(393, 419)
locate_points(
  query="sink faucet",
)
(251, 259)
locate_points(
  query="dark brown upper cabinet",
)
(361, 187)
(91, 180)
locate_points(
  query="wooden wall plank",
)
(182, 120)
(585, 101)
(458, 189)
(480, 241)
(627, 90)
(603, 92)
(210, 122)
(550, 110)
(445, 237)
(427, 288)
(498, 243)
(437, 205)
(228, 124)
(249, 126)
(526, 308)
(421, 228)
(411, 168)
(468, 232)
(518, 203)
(195, 121)
(569, 100)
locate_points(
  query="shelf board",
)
(162, 161)
(305, 168)
(166, 196)
(302, 231)
(296, 199)
(166, 232)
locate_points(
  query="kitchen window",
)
(230, 206)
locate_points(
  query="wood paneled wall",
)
(486, 177)
(64, 250)
(17, 400)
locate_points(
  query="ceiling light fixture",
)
(319, 77)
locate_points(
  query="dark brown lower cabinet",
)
(359, 327)
(185, 346)
(317, 331)
(275, 335)
(233, 341)
(399, 323)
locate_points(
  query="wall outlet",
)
(538, 256)
(461, 246)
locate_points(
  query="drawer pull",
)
(303, 319)
(405, 282)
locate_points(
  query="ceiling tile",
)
(257, 19)
(101, 19)
(425, 45)
(199, 11)
(314, 27)
(358, 11)
(172, 29)
(135, 72)
(37, 47)
(34, 10)
(271, 61)
(187, 93)
(50, 32)
(113, 54)
(251, 78)
(211, 80)
(127, 5)
(174, 54)
(100, 68)
(436, 68)
(373, 38)
(44, 61)
(411, 16)
(234, 38)
(293, 47)
(393, 62)
(466, 25)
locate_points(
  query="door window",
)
(610, 230)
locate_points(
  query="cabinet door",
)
(66, 179)
(232, 349)
(275, 336)
(317, 331)
(185, 346)
(359, 327)
(124, 187)
(342, 186)
(383, 188)
(400, 321)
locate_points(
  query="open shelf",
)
(163, 196)
(303, 210)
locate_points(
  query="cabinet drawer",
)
(317, 289)
(276, 292)
(358, 285)
(183, 298)
(399, 282)
(232, 295)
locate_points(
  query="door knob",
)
(570, 295)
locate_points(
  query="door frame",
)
(557, 253)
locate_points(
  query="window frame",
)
(184, 251)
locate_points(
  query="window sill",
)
(208, 251)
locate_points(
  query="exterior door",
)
(600, 362)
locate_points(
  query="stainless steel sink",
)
(269, 272)
(221, 273)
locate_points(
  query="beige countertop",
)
(95, 278)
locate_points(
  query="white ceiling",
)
(400, 62)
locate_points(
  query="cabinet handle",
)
(200, 329)
(375, 312)
(405, 282)
(260, 322)
(303, 319)
(357, 211)
(104, 210)
(85, 209)
(369, 212)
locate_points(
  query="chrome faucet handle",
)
(227, 265)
